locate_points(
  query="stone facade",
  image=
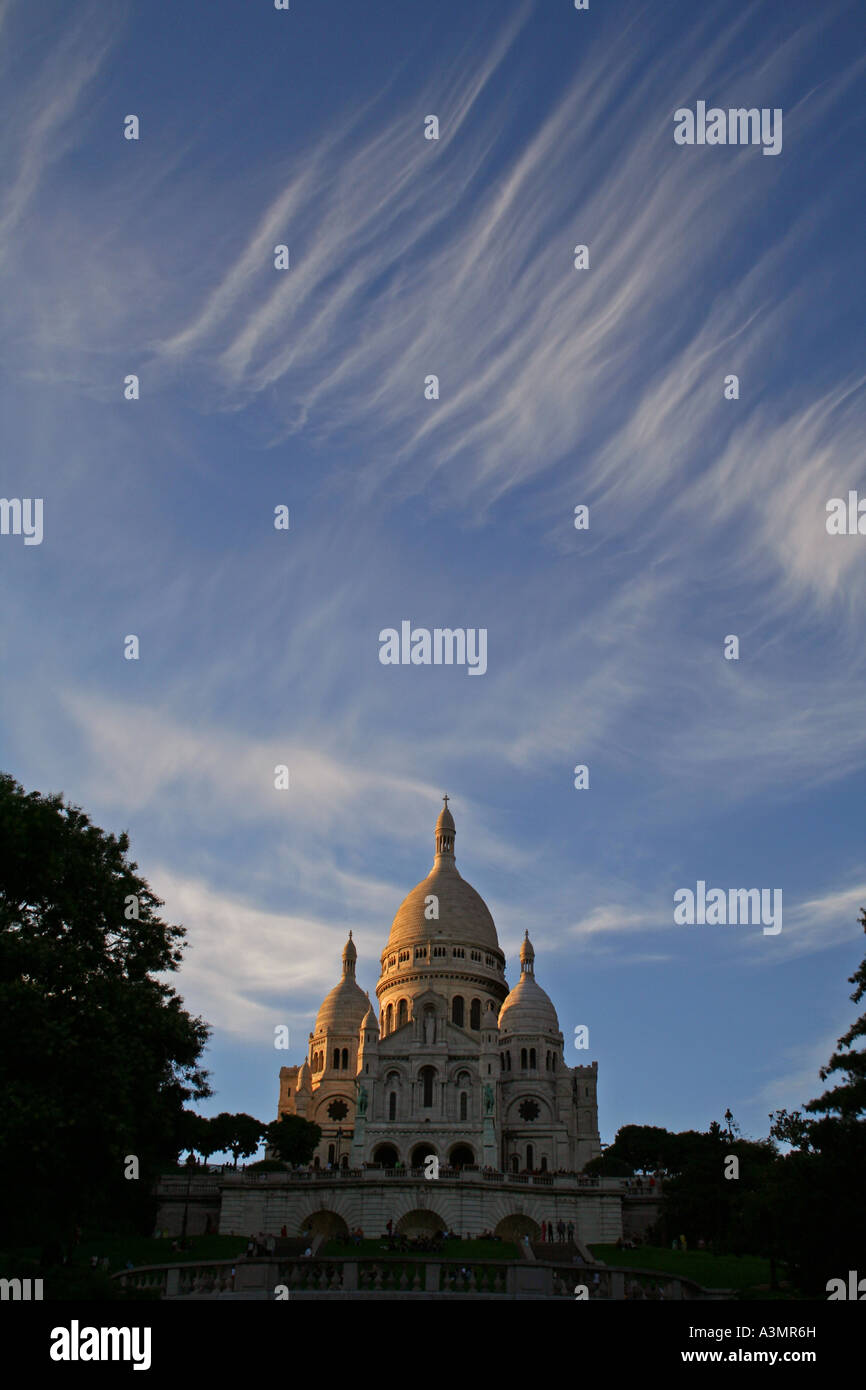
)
(451, 1063)
(331, 1204)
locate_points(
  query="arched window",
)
(532, 1058)
(330, 1153)
(392, 1106)
(544, 1163)
(515, 1163)
(530, 1157)
(401, 1013)
(463, 1103)
(336, 1057)
(523, 1059)
(344, 1060)
(457, 1010)
(502, 1061)
(428, 1075)
(475, 1014)
(389, 1019)
(508, 1061)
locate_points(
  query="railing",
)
(624, 1282)
(198, 1185)
(414, 1274)
(180, 1279)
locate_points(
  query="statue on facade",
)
(429, 1028)
(489, 1099)
(362, 1101)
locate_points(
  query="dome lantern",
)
(444, 834)
(350, 955)
(527, 956)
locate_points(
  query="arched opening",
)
(336, 1057)
(428, 1076)
(461, 1156)
(523, 1059)
(517, 1226)
(530, 1157)
(420, 1153)
(544, 1163)
(387, 1155)
(392, 1106)
(475, 1014)
(331, 1153)
(463, 1105)
(389, 1019)
(420, 1223)
(344, 1060)
(515, 1163)
(532, 1058)
(402, 1013)
(502, 1061)
(457, 1010)
(344, 1161)
(508, 1061)
(325, 1223)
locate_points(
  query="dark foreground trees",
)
(821, 1184)
(97, 1054)
(293, 1139)
(804, 1207)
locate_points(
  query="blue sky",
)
(557, 387)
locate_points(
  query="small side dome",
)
(528, 1009)
(346, 1004)
(343, 1008)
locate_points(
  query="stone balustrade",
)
(171, 1184)
(428, 1276)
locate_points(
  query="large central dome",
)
(463, 914)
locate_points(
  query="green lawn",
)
(451, 1249)
(147, 1250)
(711, 1271)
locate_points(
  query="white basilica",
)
(456, 1064)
